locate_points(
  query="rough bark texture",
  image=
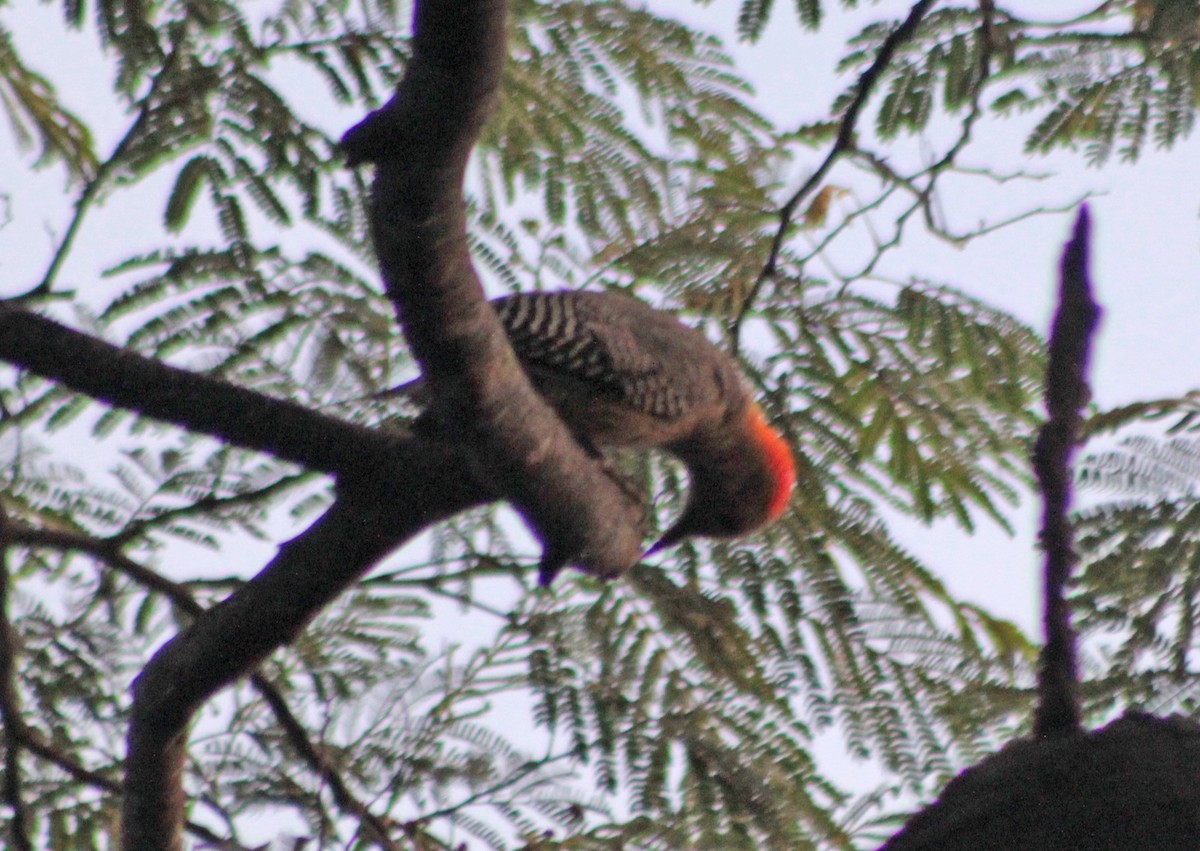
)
(231, 639)
(420, 142)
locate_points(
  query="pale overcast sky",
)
(1145, 263)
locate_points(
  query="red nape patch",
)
(779, 458)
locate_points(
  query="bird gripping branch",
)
(620, 373)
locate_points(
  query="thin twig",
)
(1067, 392)
(210, 504)
(375, 828)
(499, 786)
(40, 746)
(843, 143)
(10, 707)
(91, 191)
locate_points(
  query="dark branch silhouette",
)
(1067, 393)
(389, 487)
(235, 636)
(196, 402)
(10, 708)
(108, 552)
(1131, 784)
(420, 141)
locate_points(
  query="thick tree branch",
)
(360, 457)
(108, 552)
(375, 828)
(390, 487)
(231, 639)
(420, 142)
(1066, 395)
(191, 401)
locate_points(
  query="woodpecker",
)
(622, 374)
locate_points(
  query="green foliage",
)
(1140, 585)
(559, 132)
(37, 118)
(1105, 82)
(905, 398)
(1121, 109)
(753, 16)
(945, 63)
(679, 707)
(1142, 466)
(1138, 589)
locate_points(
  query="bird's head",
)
(738, 486)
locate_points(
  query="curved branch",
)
(420, 142)
(231, 639)
(359, 457)
(189, 400)
(390, 486)
(108, 551)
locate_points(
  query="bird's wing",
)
(599, 342)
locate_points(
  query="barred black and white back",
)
(614, 343)
(620, 373)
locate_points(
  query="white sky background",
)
(1146, 238)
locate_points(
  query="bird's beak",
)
(671, 536)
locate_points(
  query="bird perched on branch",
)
(622, 374)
